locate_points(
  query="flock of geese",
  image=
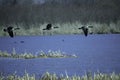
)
(10, 29)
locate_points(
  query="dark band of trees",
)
(29, 12)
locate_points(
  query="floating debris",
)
(21, 41)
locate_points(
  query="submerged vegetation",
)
(41, 54)
(49, 76)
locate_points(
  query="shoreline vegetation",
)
(41, 54)
(65, 28)
(49, 76)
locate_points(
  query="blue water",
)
(95, 53)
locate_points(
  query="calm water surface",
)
(95, 53)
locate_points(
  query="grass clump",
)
(49, 76)
(88, 76)
(41, 54)
(26, 76)
(4, 54)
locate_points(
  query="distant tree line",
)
(27, 12)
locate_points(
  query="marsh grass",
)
(66, 28)
(41, 54)
(49, 76)
(26, 76)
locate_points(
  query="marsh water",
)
(95, 53)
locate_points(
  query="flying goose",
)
(85, 29)
(49, 27)
(10, 30)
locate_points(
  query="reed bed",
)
(65, 28)
(41, 54)
(49, 76)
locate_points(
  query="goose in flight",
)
(10, 30)
(85, 29)
(49, 27)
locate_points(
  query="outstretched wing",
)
(44, 29)
(16, 28)
(56, 27)
(90, 26)
(11, 33)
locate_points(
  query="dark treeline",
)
(27, 12)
